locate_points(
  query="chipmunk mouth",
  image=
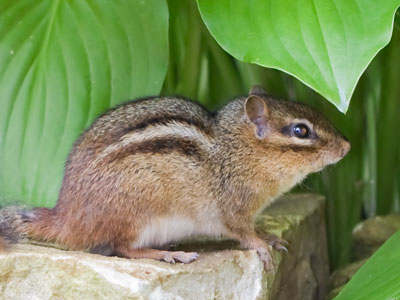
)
(327, 159)
(341, 152)
(335, 158)
(345, 148)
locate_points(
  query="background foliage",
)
(377, 279)
(325, 44)
(64, 62)
(364, 183)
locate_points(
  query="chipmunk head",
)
(304, 140)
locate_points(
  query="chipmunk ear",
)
(257, 90)
(257, 113)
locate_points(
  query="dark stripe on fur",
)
(299, 148)
(164, 145)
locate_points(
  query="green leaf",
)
(324, 43)
(62, 63)
(379, 277)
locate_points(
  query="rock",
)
(303, 272)
(35, 272)
(341, 276)
(370, 234)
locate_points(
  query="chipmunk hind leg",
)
(161, 255)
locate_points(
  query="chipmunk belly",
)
(165, 230)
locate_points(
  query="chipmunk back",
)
(155, 171)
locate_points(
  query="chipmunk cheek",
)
(338, 151)
(316, 164)
(330, 157)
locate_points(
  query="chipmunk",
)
(157, 170)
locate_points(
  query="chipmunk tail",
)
(11, 225)
(3, 243)
(24, 224)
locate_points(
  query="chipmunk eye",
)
(301, 131)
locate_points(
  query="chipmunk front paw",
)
(274, 241)
(278, 244)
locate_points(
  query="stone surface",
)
(341, 276)
(35, 272)
(370, 234)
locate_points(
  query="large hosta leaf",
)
(61, 64)
(379, 277)
(327, 44)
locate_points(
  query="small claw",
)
(281, 248)
(168, 258)
(186, 257)
(278, 244)
(179, 256)
(284, 242)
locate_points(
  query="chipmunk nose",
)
(345, 148)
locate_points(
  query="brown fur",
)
(159, 158)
